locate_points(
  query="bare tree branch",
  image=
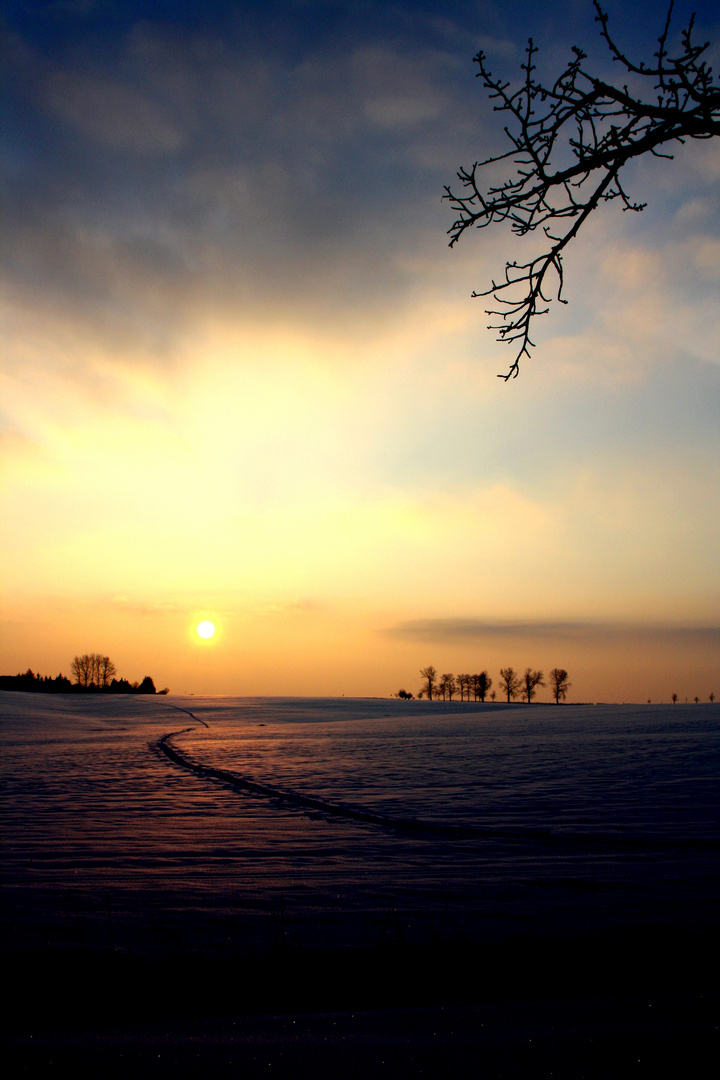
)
(600, 127)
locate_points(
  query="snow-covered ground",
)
(524, 819)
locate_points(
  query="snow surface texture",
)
(231, 824)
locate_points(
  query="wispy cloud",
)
(451, 630)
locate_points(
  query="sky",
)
(244, 380)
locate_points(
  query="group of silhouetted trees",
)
(93, 673)
(696, 699)
(96, 672)
(468, 687)
(39, 684)
(477, 687)
(93, 669)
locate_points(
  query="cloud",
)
(453, 630)
(397, 92)
(113, 114)
(145, 607)
(182, 171)
(175, 173)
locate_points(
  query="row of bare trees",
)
(446, 686)
(512, 684)
(93, 669)
(696, 699)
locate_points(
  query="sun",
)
(206, 629)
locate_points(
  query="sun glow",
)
(206, 629)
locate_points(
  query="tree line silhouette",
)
(437, 687)
(93, 673)
(512, 684)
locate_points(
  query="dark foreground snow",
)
(340, 854)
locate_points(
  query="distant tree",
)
(401, 694)
(712, 697)
(530, 682)
(429, 674)
(510, 682)
(696, 699)
(82, 669)
(443, 687)
(674, 698)
(105, 670)
(569, 141)
(559, 683)
(147, 686)
(463, 684)
(482, 684)
(76, 669)
(493, 696)
(121, 686)
(448, 685)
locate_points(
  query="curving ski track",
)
(411, 825)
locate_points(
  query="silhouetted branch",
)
(602, 127)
